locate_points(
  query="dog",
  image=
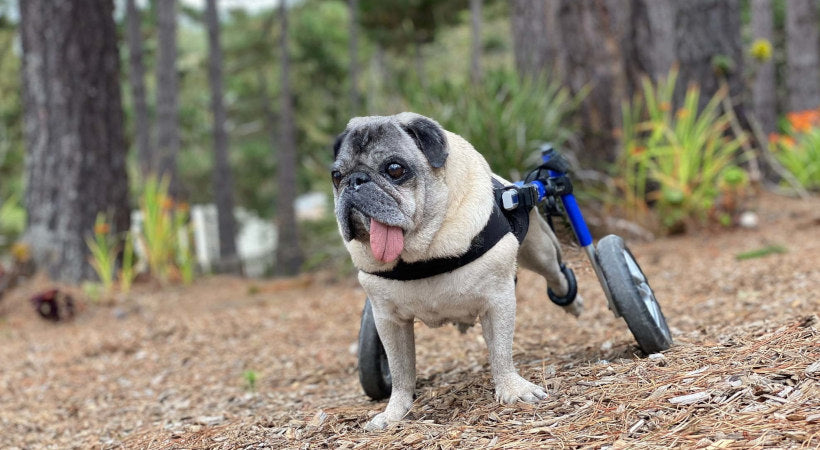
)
(411, 197)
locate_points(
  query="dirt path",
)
(164, 369)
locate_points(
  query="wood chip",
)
(690, 399)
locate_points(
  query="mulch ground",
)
(166, 367)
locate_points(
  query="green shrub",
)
(103, 248)
(505, 117)
(12, 220)
(798, 150)
(677, 160)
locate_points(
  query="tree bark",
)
(167, 94)
(802, 77)
(606, 46)
(708, 34)
(136, 77)
(288, 253)
(593, 57)
(75, 163)
(355, 96)
(475, 55)
(531, 20)
(222, 176)
(764, 85)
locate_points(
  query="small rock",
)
(606, 346)
(656, 356)
(748, 219)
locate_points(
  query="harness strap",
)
(498, 225)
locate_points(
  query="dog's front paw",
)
(512, 388)
(377, 423)
(398, 407)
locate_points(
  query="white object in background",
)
(311, 206)
(256, 243)
(206, 235)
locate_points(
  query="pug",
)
(411, 198)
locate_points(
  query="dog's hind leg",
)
(541, 253)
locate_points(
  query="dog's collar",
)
(498, 225)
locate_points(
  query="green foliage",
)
(157, 237)
(761, 252)
(505, 117)
(166, 236)
(250, 377)
(676, 160)
(799, 153)
(183, 243)
(128, 270)
(103, 247)
(12, 220)
(399, 23)
(11, 111)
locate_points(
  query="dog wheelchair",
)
(626, 288)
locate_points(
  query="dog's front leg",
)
(498, 326)
(399, 343)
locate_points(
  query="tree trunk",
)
(802, 77)
(222, 177)
(708, 48)
(167, 93)
(764, 85)
(475, 56)
(355, 97)
(75, 163)
(593, 57)
(652, 50)
(136, 77)
(288, 252)
(606, 46)
(531, 20)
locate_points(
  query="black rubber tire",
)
(632, 295)
(374, 372)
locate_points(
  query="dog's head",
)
(383, 164)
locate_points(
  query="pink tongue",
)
(386, 242)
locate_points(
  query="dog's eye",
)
(337, 178)
(395, 171)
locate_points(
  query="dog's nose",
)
(357, 179)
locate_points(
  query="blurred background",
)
(174, 138)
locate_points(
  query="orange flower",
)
(682, 113)
(788, 141)
(101, 228)
(773, 138)
(167, 203)
(665, 106)
(803, 121)
(183, 207)
(637, 150)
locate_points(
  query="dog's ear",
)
(429, 137)
(338, 144)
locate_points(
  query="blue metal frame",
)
(576, 219)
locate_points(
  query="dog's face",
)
(382, 167)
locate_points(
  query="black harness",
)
(501, 222)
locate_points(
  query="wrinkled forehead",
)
(373, 137)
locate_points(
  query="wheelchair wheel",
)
(374, 372)
(632, 295)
